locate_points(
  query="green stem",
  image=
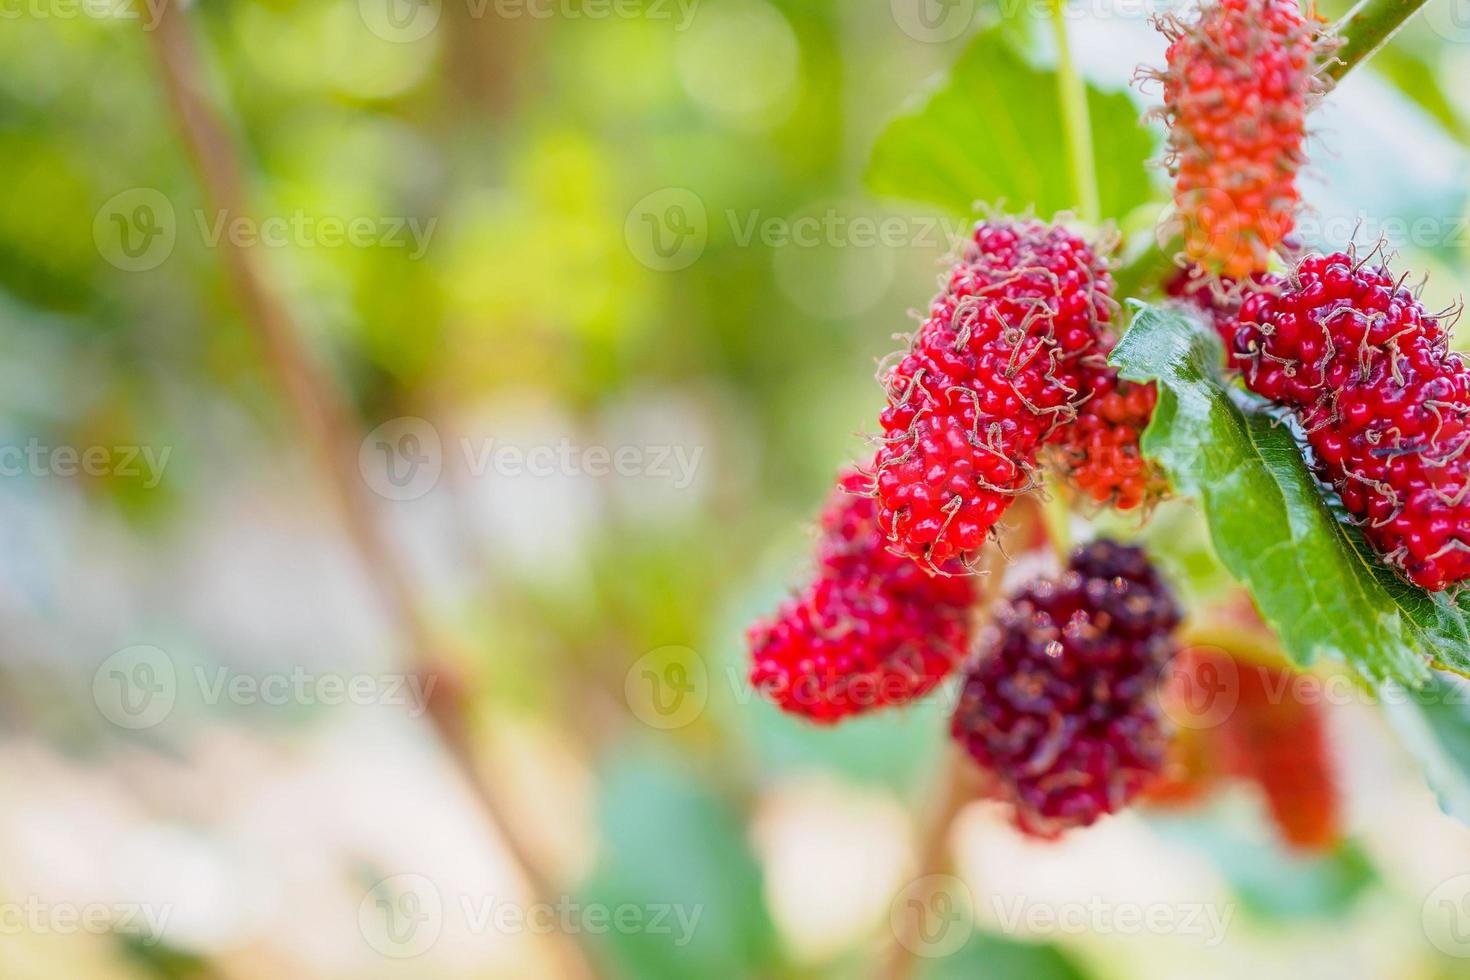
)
(1363, 30)
(1075, 121)
(1056, 517)
(1366, 28)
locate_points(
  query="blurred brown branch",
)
(961, 781)
(333, 437)
(955, 790)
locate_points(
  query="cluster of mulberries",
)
(1061, 706)
(1384, 403)
(1274, 736)
(872, 629)
(1239, 80)
(1011, 357)
(1001, 363)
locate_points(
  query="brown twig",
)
(961, 781)
(333, 436)
(954, 792)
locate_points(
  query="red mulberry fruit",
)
(1384, 402)
(996, 368)
(1062, 704)
(873, 629)
(1238, 84)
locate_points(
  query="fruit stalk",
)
(1365, 29)
(1076, 122)
(956, 787)
(958, 783)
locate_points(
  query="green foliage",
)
(1311, 574)
(992, 132)
(1271, 882)
(1415, 77)
(991, 957)
(894, 750)
(1434, 725)
(1275, 885)
(160, 960)
(669, 842)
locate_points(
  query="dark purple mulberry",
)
(1061, 705)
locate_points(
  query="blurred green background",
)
(599, 288)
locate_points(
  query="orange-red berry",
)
(1273, 736)
(1098, 454)
(1239, 80)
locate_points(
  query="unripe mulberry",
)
(996, 368)
(872, 629)
(1098, 453)
(1384, 403)
(1239, 81)
(1062, 706)
(1277, 739)
(1274, 736)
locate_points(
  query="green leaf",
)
(991, 957)
(992, 132)
(674, 850)
(1415, 76)
(1276, 885)
(1272, 882)
(988, 956)
(1434, 725)
(1312, 576)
